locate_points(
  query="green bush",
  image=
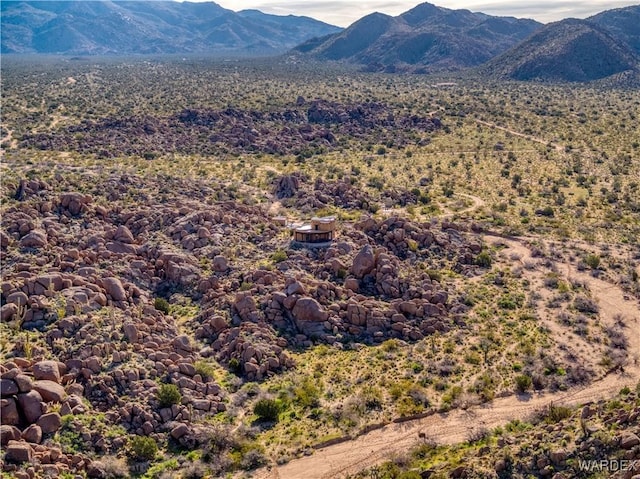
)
(546, 211)
(509, 301)
(372, 398)
(390, 345)
(484, 259)
(308, 393)
(143, 448)
(267, 410)
(523, 383)
(556, 414)
(204, 369)
(168, 395)
(434, 275)
(593, 261)
(161, 304)
(279, 256)
(234, 366)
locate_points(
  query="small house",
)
(280, 220)
(320, 230)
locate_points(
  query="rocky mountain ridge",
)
(424, 39)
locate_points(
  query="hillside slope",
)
(570, 50)
(622, 23)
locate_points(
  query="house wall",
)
(313, 236)
(320, 226)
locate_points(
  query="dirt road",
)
(522, 135)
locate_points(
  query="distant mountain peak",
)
(420, 13)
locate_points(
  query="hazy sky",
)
(345, 12)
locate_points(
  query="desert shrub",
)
(523, 383)
(585, 305)
(434, 275)
(552, 281)
(617, 338)
(252, 459)
(143, 448)
(509, 301)
(390, 345)
(168, 395)
(406, 406)
(308, 393)
(397, 389)
(163, 470)
(413, 245)
(472, 358)
(267, 410)
(376, 182)
(161, 304)
(451, 396)
(484, 259)
(113, 467)
(556, 414)
(205, 369)
(372, 398)
(539, 381)
(279, 256)
(546, 211)
(218, 439)
(196, 470)
(234, 366)
(418, 395)
(593, 261)
(477, 435)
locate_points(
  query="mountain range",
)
(428, 38)
(149, 27)
(425, 39)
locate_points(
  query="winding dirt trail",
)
(365, 451)
(522, 135)
(9, 139)
(477, 203)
